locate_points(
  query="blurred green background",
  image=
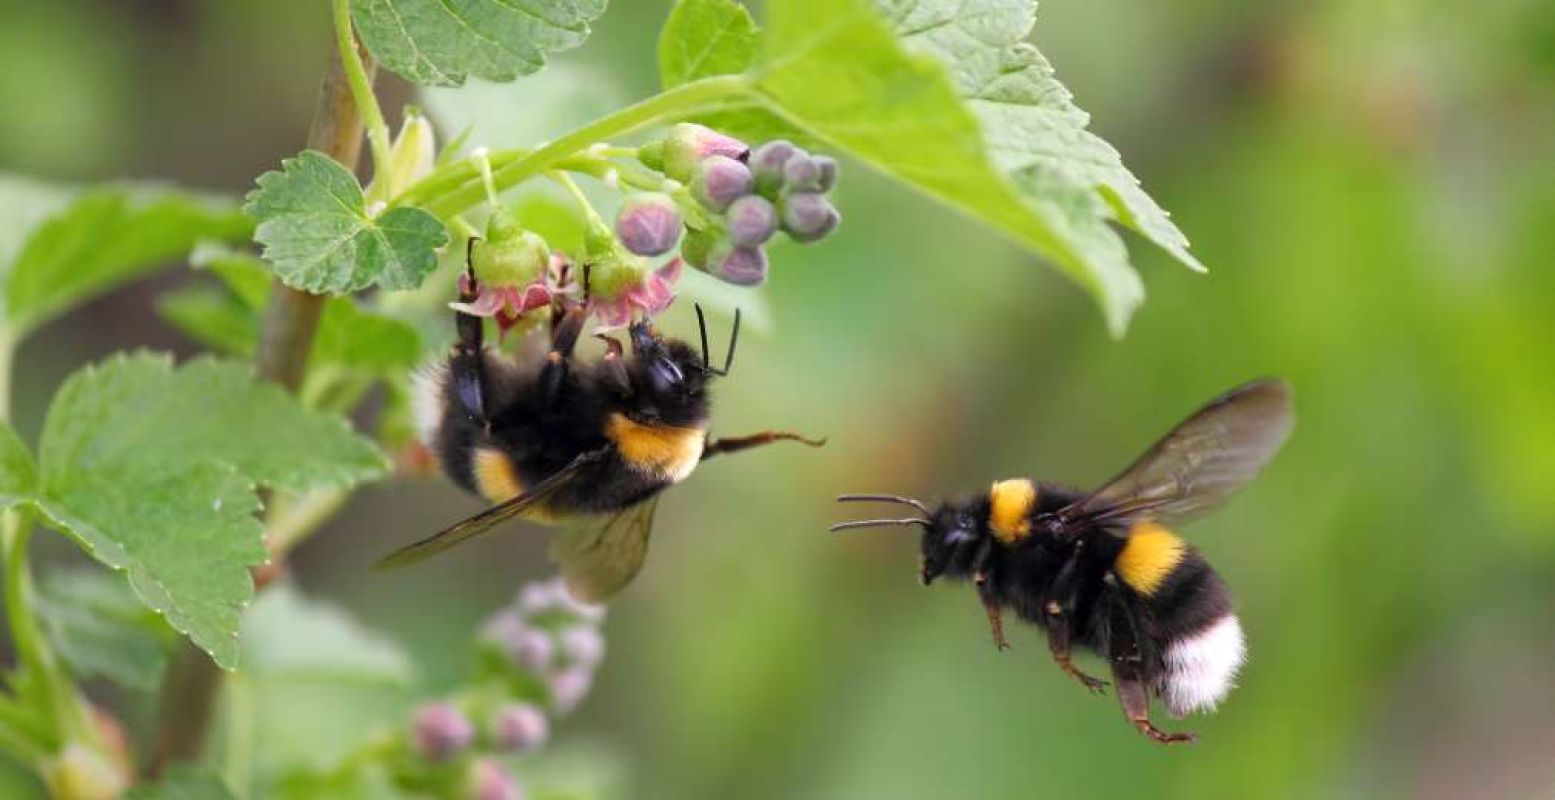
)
(1373, 187)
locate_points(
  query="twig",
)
(291, 319)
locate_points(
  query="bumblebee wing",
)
(488, 519)
(1199, 464)
(600, 557)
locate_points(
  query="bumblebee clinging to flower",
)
(586, 444)
(1102, 571)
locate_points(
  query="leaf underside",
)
(438, 43)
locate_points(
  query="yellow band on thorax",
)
(1009, 509)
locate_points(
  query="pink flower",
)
(507, 303)
(649, 297)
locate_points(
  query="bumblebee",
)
(1102, 570)
(590, 445)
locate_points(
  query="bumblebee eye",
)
(665, 374)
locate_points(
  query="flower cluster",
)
(536, 662)
(714, 199)
(742, 199)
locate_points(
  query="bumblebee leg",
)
(1136, 706)
(1058, 636)
(468, 364)
(985, 593)
(737, 443)
(558, 363)
(1128, 672)
(613, 365)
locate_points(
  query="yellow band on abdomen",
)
(1149, 556)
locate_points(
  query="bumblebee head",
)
(952, 533)
(666, 380)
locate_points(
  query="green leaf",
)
(944, 96)
(1029, 119)
(103, 238)
(438, 43)
(98, 627)
(319, 234)
(18, 475)
(183, 783)
(286, 635)
(153, 470)
(348, 335)
(702, 38)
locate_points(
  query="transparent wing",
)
(486, 520)
(1199, 464)
(600, 557)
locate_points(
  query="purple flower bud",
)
(808, 217)
(568, 687)
(582, 646)
(532, 650)
(801, 174)
(519, 727)
(441, 731)
(752, 220)
(719, 180)
(767, 162)
(741, 266)
(490, 781)
(828, 168)
(689, 143)
(648, 224)
(541, 596)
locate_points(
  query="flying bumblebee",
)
(1102, 571)
(586, 444)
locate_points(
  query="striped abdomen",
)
(1188, 614)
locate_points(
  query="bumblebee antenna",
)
(734, 339)
(877, 523)
(702, 329)
(883, 498)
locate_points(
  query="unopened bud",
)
(741, 266)
(489, 780)
(568, 687)
(719, 180)
(441, 731)
(767, 162)
(519, 727)
(808, 217)
(751, 221)
(581, 646)
(689, 143)
(648, 224)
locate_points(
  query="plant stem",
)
(679, 102)
(291, 320)
(361, 83)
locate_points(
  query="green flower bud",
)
(695, 247)
(509, 255)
